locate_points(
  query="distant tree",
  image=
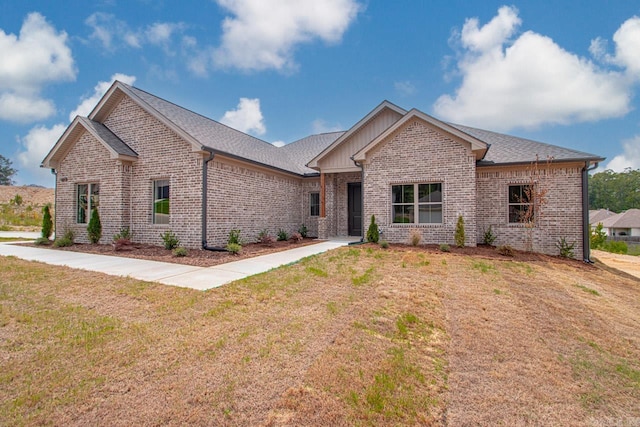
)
(6, 171)
(616, 191)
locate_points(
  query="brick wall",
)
(418, 153)
(560, 215)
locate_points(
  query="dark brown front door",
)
(355, 208)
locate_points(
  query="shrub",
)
(296, 237)
(384, 244)
(66, 240)
(488, 238)
(459, 233)
(265, 238)
(169, 240)
(17, 200)
(234, 237)
(445, 248)
(94, 228)
(598, 237)
(415, 237)
(47, 223)
(615, 247)
(505, 250)
(124, 233)
(282, 235)
(303, 230)
(566, 249)
(41, 241)
(180, 252)
(373, 234)
(234, 248)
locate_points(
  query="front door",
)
(355, 208)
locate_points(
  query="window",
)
(88, 198)
(520, 205)
(314, 204)
(161, 201)
(427, 204)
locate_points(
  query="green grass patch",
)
(589, 290)
(484, 267)
(364, 278)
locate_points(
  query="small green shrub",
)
(488, 238)
(265, 238)
(66, 240)
(282, 235)
(47, 223)
(615, 247)
(124, 233)
(17, 200)
(94, 228)
(303, 230)
(234, 237)
(565, 248)
(41, 241)
(415, 237)
(234, 248)
(459, 236)
(373, 234)
(445, 248)
(169, 240)
(384, 244)
(505, 250)
(180, 252)
(598, 237)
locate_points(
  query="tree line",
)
(6, 171)
(616, 191)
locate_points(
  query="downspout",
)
(204, 204)
(55, 202)
(362, 233)
(586, 250)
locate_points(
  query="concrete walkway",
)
(186, 276)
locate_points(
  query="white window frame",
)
(91, 194)
(161, 218)
(522, 204)
(412, 207)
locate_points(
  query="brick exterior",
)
(417, 153)
(252, 198)
(560, 216)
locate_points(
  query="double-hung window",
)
(314, 204)
(87, 199)
(521, 207)
(417, 203)
(161, 201)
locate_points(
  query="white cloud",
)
(321, 126)
(247, 117)
(630, 158)
(38, 142)
(262, 34)
(627, 40)
(279, 143)
(88, 103)
(40, 139)
(528, 81)
(405, 88)
(38, 56)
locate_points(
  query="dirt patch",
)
(35, 196)
(627, 263)
(195, 257)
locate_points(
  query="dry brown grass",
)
(358, 336)
(35, 196)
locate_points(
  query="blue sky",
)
(562, 72)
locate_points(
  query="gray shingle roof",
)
(109, 137)
(220, 137)
(305, 149)
(596, 216)
(627, 219)
(507, 149)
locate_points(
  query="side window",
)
(161, 201)
(87, 199)
(521, 208)
(314, 204)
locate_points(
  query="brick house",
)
(152, 166)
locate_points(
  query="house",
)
(624, 224)
(150, 165)
(598, 215)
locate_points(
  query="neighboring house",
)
(599, 215)
(153, 166)
(624, 224)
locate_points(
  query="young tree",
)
(459, 234)
(6, 171)
(94, 228)
(47, 223)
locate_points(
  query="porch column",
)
(322, 220)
